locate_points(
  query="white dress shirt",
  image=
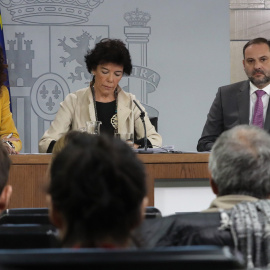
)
(253, 98)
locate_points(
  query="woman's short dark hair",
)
(98, 184)
(109, 51)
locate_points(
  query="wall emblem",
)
(45, 45)
(143, 80)
(51, 11)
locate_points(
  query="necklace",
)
(114, 119)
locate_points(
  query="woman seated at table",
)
(97, 192)
(8, 131)
(103, 100)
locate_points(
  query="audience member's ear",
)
(54, 215)
(213, 186)
(5, 197)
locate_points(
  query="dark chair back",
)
(182, 229)
(152, 212)
(24, 219)
(202, 257)
(28, 236)
(25, 216)
(23, 211)
(154, 122)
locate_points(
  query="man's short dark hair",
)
(259, 40)
(98, 184)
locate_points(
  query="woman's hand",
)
(135, 146)
(12, 139)
(10, 150)
(8, 144)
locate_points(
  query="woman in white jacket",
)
(103, 100)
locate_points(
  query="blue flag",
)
(2, 44)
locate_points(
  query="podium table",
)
(29, 179)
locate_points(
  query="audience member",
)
(62, 142)
(240, 215)
(97, 192)
(239, 167)
(240, 177)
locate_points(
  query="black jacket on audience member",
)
(182, 229)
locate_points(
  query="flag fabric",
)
(2, 44)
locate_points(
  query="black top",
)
(105, 112)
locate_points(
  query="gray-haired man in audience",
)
(240, 167)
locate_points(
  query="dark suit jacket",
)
(230, 108)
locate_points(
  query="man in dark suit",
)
(235, 104)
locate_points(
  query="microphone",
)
(142, 115)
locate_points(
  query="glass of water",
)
(93, 127)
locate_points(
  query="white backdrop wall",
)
(186, 46)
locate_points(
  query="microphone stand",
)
(142, 115)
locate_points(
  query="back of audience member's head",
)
(97, 190)
(239, 162)
(5, 189)
(63, 140)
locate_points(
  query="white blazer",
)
(78, 107)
